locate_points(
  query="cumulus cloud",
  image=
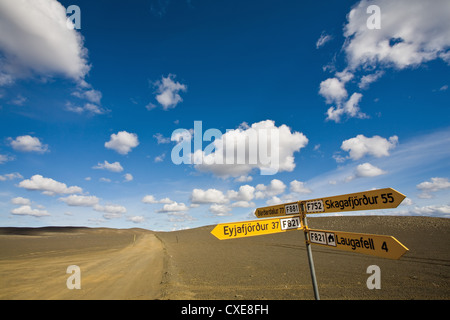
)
(111, 211)
(136, 219)
(434, 185)
(412, 33)
(298, 187)
(28, 211)
(173, 208)
(21, 201)
(168, 92)
(80, 201)
(199, 196)
(333, 90)
(275, 187)
(122, 142)
(219, 210)
(35, 39)
(152, 200)
(376, 146)
(114, 167)
(262, 146)
(368, 170)
(365, 170)
(28, 144)
(245, 193)
(48, 186)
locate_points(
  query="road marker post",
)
(309, 254)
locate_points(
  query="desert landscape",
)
(192, 264)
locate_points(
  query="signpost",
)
(293, 217)
(367, 200)
(278, 210)
(251, 228)
(372, 244)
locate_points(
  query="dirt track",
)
(113, 265)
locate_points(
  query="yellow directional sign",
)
(367, 200)
(251, 228)
(278, 210)
(371, 244)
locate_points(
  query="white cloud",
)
(368, 170)
(299, 187)
(128, 177)
(333, 90)
(160, 158)
(122, 142)
(168, 92)
(366, 80)
(244, 179)
(89, 108)
(350, 108)
(436, 184)
(136, 219)
(10, 176)
(91, 95)
(48, 186)
(274, 200)
(377, 146)
(5, 158)
(247, 142)
(21, 201)
(324, 38)
(199, 196)
(161, 139)
(35, 39)
(220, 210)
(245, 193)
(114, 167)
(80, 201)
(173, 207)
(112, 211)
(412, 32)
(28, 144)
(243, 204)
(151, 200)
(28, 211)
(275, 187)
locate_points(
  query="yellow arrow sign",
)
(367, 200)
(251, 228)
(371, 244)
(278, 210)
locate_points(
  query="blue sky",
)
(87, 114)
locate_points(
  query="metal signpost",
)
(293, 217)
